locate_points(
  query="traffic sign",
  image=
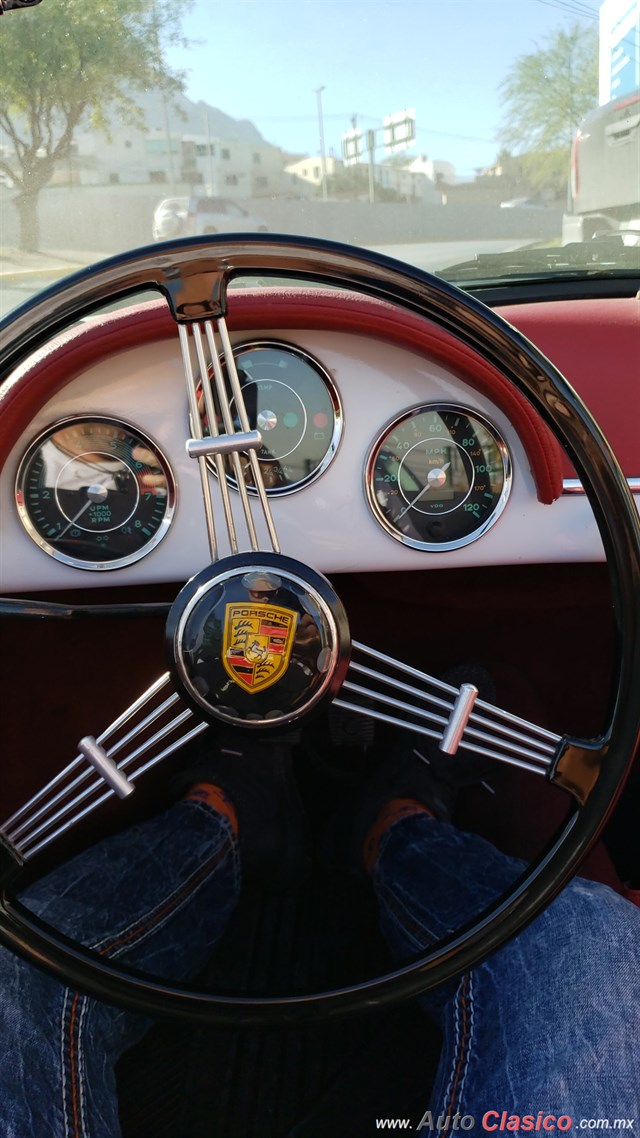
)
(352, 146)
(399, 131)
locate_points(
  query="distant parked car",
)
(219, 215)
(524, 203)
(169, 218)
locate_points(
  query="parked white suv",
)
(206, 214)
(169, 218)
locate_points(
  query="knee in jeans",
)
(596, 923)
(25, 993)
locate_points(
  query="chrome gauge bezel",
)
(338, 416)
(483, 527)
(50, 549)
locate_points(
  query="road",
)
(15, 293)
(433, 255)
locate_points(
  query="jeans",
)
(157, 896)
(549, 1026)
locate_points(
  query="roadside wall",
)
(110, 218)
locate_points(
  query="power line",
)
(308, 118)
(576, 8)
(342, 116)
(449, 134)
(571, 7)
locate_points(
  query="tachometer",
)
(438, 477)
(95, 493)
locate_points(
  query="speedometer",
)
(438, 477)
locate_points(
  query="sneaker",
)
(414, 770)
(257, 776)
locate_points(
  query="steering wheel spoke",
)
(212, 345)
(387, 689)
(155, 725)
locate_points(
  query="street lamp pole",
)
(323, 156)
(213, 181)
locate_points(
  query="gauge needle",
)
(434, 479)
(94, 494)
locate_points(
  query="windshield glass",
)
(435, 132)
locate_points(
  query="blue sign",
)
(624, 46)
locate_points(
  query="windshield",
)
(435, 132)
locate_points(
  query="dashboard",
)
(385, 444)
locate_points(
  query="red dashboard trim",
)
(569, 332)
(594, 343)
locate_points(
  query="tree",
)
(547, 94)
(69, 61)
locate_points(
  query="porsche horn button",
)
(257, 640)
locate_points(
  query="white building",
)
(410, 184)
(309, 169)
(184, 145)
(235, 168)
(433, 168)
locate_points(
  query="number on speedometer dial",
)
(438, 477)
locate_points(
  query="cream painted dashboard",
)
(328, 523)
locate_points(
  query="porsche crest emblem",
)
(258, 639)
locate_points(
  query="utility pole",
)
(323, 156)
(213, 181)
(371, 147)
(169, 141)
(165, 110)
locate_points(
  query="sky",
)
(264, 60)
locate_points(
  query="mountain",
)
(188, 117)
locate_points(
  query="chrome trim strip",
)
(574, 486)
(218, 463)
(224, 444)
(511, 760)
(549, 737)
(109, 793)
(197, 431)
(390, 681)
(105, 766)
(65, 790)
(398, 705)
(236, 389)
(509, 738)
(510, 749)
(459, 718)
(227, 418)
(26, 846)
(123, 718)
(546, 743)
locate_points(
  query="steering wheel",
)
(193, 275)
